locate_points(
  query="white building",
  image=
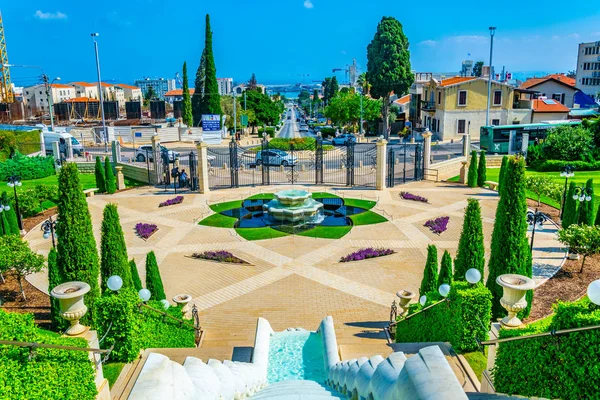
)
(588, 69)
(85, 89)
(36, 99)
(159, 85)
(225, 86)
(131, 93)
(113, 93)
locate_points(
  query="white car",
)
(343, 139)
(145, 151)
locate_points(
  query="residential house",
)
(545, 109)
(403, 104)
(176, 95)
(131, 93)
(36, 99)
(112, 92)
(556, 86)
(239, 89)
(588, 69)
(85, 89)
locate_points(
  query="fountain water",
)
(294, 206)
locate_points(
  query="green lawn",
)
(220, 207)
(259, 233)
(367, 218)
(477, 361)
(262, 196)
(366, 204)
(111, 371)
(324, 195)
(327, 232)
(218, 221)
(88, 181)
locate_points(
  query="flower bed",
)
(438, 225)
(171, 202)
(145, 230)
(363, 254)
(413, 197)
(220, 256)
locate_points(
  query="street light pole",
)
(361, 113)
(14, 181)
(94, 35)
(534, 219)
(567, 173)
(234, 116)
(489, 91)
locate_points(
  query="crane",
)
(6, 92)
(346, 70)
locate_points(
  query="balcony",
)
(427, 105)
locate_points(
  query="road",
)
(290, 128)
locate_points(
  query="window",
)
(560, 97)
(495, 122)
(461, 126)
(462, 97)
(433, 125)
(439, 97)
(497, 97)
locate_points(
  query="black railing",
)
(427, 105)
(552, 333)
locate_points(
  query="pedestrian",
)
(183, 179)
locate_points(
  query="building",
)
(588, 69)
(556, 86)
(239, 89)
(112, 92)
(159, 85)
(176, 95)
(545, 109)
(225, 86)
(467, 68)
(36, 99)
(131, 93)
(353, 73)
(85, 89)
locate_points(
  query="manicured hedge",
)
(133, 331)
(465, 316)
(27, 167)
(548, 367)
(52, 373)
(558, 165)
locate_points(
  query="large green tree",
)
(344, 109)
(77, 253)
(252, 83)
(471, 250)
(388, 65)
(586, 208)
(186, 104)
(153, 280)
(266, 111)
(18, 259)
(430, 274)
(472, 173)
(100, 175)
(510, 247)
(477, 68)
(113, 250)
(481, 170)
(569, 215)
(445, 269)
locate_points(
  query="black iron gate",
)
(404, 164)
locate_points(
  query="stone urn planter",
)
(70, 297)
(405, 297)
(513, 298)
(183, 301)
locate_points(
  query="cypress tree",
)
(11, 216)
(510, 247)
(77, 258)
(481, 170)
(472, 176)
(445, 269)
(135, 276)
(208, 100)
(186, 104)
(430, 274)
(471, 250)
(586, 208)
(570, 212)
(113, 251)
(501, 175)
(100, 177)
(54, 279)
(4, 229)
(111, 185)
(597, 222)
(153, 281)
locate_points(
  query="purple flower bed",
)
(170, 202)
(145, 230)
(413, 197)
(363, 254)
(438, 225)
(221, 256)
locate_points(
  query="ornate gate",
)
(404, 164)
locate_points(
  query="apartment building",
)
(159, 85)
(36, 99)
(85, 89)
(225, 86)
(131, 93)
(588, 69)
(112, 92)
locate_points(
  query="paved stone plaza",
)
(295, 281)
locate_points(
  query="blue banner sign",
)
(211, 122)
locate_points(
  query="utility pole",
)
(94, 35)
(48, 87)
(361, 114)
(244, 100)
(489, 91)
(234, 116)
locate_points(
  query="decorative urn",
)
(183, 301)
(405, 297)
(513, 298)
(70, 297)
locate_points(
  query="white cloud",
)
(468, 39)
(428, 43)
(48, 15)
(308, 4)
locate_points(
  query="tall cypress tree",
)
(186, 104)
(111, 185)
(113, 251)
(597, 222)
(11, 216)
(135, 276)
(570, 211)
(586, 208)
(208, 101)
(54, 279)
(481, 170)
(77, 258)
(501, 175)
(153, 280)
(471, 250)
(4, 228)
(430, 274)
(510, 246)
(472, 174)
(100, 176)
(445, 269)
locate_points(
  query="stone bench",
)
(90, 192)
(492, 185)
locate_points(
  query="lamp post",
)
(534, 219)
(583, 194)
(94, 36)
(566, 173)
(489, 91)
(49, 228)
(13, 182)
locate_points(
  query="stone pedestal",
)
(101, 383)
(463, 173)
(466, 145)
(203, 185)
(120, 178)
(381, 164)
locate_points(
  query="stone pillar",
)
(203, 185)
(120, 177)
(426, 150)
(525, 144)
(101, 382)
(381, 163)
(56, 153)
(69, 149)
(115, 148)
(466, 145)
(42, 145)
(156, 154)
(463, 173)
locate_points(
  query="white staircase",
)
(297, 390)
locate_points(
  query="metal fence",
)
(404, 164)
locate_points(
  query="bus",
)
(502, 138)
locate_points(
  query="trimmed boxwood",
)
(559, 165)
(465, 316)
(27, 167)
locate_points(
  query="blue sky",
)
(282, 40)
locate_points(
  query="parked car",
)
(275, 157)
(146, 151)
(343, 139)
(303, 128)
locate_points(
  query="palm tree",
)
(363, 83)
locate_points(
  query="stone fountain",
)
(293, 206)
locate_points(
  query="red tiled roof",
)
(178, 92)
(531, 82)
(455, 80)
(542, 105)
(403, 100)
(83, 84)
(61, 86)
(123, 85)
(82, 100)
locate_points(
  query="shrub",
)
(135, 276)
(481, 170)
(52, 374)
(438, 225)
(463, 318)
(100, 176)
(30, 200)
(471, 249)
(472, 174)
(445, 270)
(304, 143)
(327, 132)
(430, 274)
(586, 208)
(111, 184)
(552, 367)
(12, 226)
(173, 201)
(535, 154)
(220, 256)
(413, 197)
(363, 254)
(543, 185)
(559, 165)
(54, 279)
(17, 258)
(153, 280)
(568, 143)
(27, 167)
(113, 251)
(581, 239)
(145, 230)
(569, 215)
(501, 174)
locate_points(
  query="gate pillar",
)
(381, 163)
(426, 150)
(203, 185)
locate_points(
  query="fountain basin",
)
(293, 206)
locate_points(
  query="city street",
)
(291, 128)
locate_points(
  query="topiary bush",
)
(109, 176)
(463, 318)
(52, 374)
(472, 173)
(113, 251)
(100, 175)
(54, 279)
(445, 275)
(471, 249)
(27, 167)
(135, 276)
(430, 274)
(481, 170)
(11, 216)
(153, 280)
(569, 215)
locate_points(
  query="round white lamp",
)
(444, 289)
(144, 295)
(423, 300)
(46, 234)
(593, 292)
(165, 303)
(473, 276)
(114, 283)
